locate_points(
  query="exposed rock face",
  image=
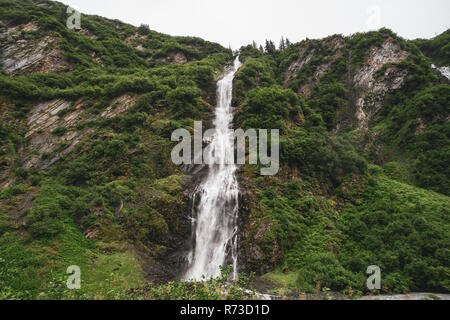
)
(20, 53)
(335, 43)
(88, 34)
(42, 121)
(368, 87)
(136, 40)
(45, 147)
(180, 58)
(304, 57)
(371, 90)
(118, 106)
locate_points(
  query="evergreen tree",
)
(267, 47)
(254, 45)
(270, 47)
(144, 29)
(288, 43)
(282, 44)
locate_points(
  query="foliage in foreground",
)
(219, 288)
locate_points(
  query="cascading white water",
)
(215, 224)
(445, 71)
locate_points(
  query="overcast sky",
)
(238, 22)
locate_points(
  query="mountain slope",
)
(86, 176)
(85, 169)
(358, 116)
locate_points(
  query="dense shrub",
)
(268, 108)
(321, 155)
(257, 72)
(185, 101)
(18, 270)
(327, 99)
(437, 48)
(403, 232)
(360, 43)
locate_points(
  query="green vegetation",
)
(405, 232)
(266, 108)
(360, 43)
(330, 213)
(437, 48)
(415, 121)
(116, 201)
(117, 206)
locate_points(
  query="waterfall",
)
(215, 222)
(445, 71)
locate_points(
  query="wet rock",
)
(253, 227)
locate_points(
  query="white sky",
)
(237, 23)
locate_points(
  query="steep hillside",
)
(364, 126)
(85, 169)
(86, 177)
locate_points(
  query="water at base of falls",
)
(216, 208)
